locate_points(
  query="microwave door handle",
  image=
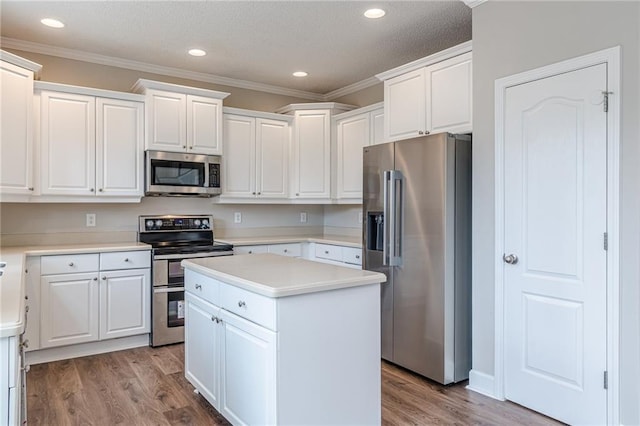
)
(206, 174)
(385, 216)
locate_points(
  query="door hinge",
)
(606, 100)
(606, 380)
(605, 241)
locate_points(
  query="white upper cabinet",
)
(256, 160)
(16, 131)
(353, 131)
(311, 154)
(431, 95)
(90, 146)
(181, 118)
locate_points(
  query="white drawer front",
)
(202, 286)
(352, 255)
(293, 249)
(249, 249)
(69, 264)
(326, 251)
(254, 307)
(125, 260)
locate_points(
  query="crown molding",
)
(352, 88)
(95, 58)
(473, 3)
(21, 62)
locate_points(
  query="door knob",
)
(511, 259)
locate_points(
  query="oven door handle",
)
(168, 290)
(191, 255)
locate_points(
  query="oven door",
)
(168, 315)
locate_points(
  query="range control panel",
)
(175, 223)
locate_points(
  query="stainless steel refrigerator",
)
(417, 231)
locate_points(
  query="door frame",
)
(611, 57)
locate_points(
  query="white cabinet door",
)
(119, 149)
(68, 144)
(202, 347)
(125, 308)
(69, 309)
(166, 121)
(16, 137)
(405, 105)
(377, 127)
(272, 158)
(311, 154)
(239, 156)
(248, 372)
(250, 249)
(352, 135)
(449, 95)
(204, 130)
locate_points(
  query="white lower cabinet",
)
(10, 382)
(87, 303)
(288, 249)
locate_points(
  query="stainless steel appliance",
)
(174, 173)
(174, 238)
(417, 231)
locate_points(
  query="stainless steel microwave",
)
(174, 173)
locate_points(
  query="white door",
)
(166, 121)
(204, 128)
(119, 149)
(352, 137)
(239, 156)
(248, 372)
(68, 144)
(201, 347)
(311, 154)
(125, 305)
(555, 219)
(68, 309)
(272, 158)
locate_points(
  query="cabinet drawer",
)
(352, 255)
(125, 260)
(254, 307)
(249, 249)
(202, 286)
(293, 249)
(69, 264)
(326, 251)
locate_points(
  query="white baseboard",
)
(85, 349)
(482, 383)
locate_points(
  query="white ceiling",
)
(258, 41)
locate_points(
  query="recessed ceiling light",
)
(374, 13)
(197, 52)
(300, 74)
(53, 23)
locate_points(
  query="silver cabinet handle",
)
(286, 251)
(250, 251)
(71, 264)
(30, 188)
(100, 189)
(190, 147)
(420, 132)
(326, 252)
(259, 193)
(104, 278)
(92, 190)
(126, 259)
(184, 146)
(297, 195)
(253, 193)
(511, 259)
(241, 303)
(357, 256)
(198, 287)
(95, 278)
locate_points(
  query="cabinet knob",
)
(190, 147)
(214, 318)
(286, 251)
(104, 278)
(357, 256)
(31, 188)
(100, 190)
(184, 146)
(95, 278)
(126, 259)
(241, 303)
(71, 264)
(25, 343)
(253, 193)
(420, 132)
(250, 251)
(198, 287)
(92, 190)
(297, 195)
(326, 252)
(259, 193)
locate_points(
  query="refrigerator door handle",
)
(396, 181)
(386, 178)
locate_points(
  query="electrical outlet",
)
(237, 217)
(91, 219)
(360, 218)
(303, 217)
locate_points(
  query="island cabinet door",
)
(248, 365)
(202, 348)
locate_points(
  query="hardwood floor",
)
(146, 386)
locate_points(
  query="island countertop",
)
(279, 276)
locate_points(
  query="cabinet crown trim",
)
(335, 107)
(79, 90)
(426, 61)
(257, 114)
(142, 85)
(20, 62)
(369, 108)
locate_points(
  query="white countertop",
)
(340, 240)
(12, 281)
(279, 276)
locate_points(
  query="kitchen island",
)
(278, 340)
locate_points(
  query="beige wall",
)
(511, 37)
(364, 97)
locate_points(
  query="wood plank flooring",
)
(146, 386)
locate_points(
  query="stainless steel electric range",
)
(174, 238)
